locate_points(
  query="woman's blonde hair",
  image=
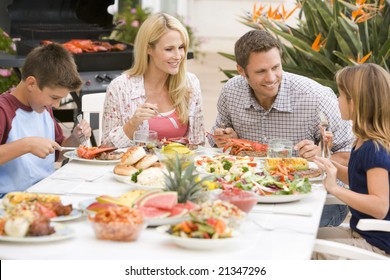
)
(368, 86)
(149, 34)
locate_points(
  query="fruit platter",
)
(157, 207)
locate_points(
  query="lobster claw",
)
(91, 153)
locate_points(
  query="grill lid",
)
(42, 19)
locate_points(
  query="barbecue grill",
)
(62, 20)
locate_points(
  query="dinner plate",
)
(73, 155)
(85, 203)
(197, 243)
(75, 214)
(62, 232)
(166, 221)
(127, 180)
(281, 198)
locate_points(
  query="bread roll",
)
(125, 169)
(146, 162)
(133, 154)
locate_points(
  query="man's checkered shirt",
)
(293, 115)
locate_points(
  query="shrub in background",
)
(129, 19)
(8, 78)
(330, 35)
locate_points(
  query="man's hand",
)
(307, 149)
(222, 134)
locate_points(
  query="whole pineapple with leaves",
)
(181, 177)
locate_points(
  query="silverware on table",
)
(281, 212)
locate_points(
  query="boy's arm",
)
(41, 147)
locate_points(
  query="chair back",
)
(94, 103)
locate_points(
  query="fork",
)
(83, 139)
(325, 151)
(272, 228)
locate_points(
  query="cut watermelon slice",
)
(153, 212)
(165, 200)
(138, 201)
(178, 211)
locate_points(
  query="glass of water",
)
(279, 148)
(145, 138)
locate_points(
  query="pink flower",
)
(121, 22)
(5, 73)
(135, 23)
(133, 10)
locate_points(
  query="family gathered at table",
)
(158, 94)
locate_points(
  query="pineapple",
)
(181, 177)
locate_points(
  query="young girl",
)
(364, 97)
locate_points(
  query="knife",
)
(68, 148)
(280, 212)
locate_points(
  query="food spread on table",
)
(29, 214)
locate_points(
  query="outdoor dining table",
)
(271, 231)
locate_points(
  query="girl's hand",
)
(331, 173)
(328, 138)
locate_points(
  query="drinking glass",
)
(279, 148)
(145, 138)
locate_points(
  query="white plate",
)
(127, 180)
(166, 221)
(281, 198)
(75, 214)
(85, 203)
(62, 232)
(73, 155)
(199, 244)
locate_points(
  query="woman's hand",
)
(331, 173)
(144, 112)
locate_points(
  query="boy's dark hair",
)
(254, 41)
(52, 66)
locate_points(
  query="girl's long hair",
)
(368, 86)
(149, 34)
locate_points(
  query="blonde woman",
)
(364, 99)
(157, 93)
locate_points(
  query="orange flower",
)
(360, 60)
(317, 44)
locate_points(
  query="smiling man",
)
(265, 102)
(29, 134)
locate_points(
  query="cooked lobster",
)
(92, 152)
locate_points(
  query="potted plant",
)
(330, 35)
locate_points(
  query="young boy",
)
(29, 134)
